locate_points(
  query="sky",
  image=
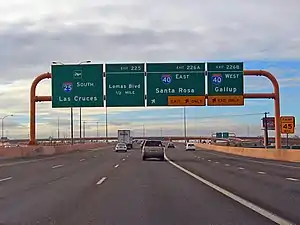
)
(262, 34)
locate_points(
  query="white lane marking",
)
(57, 166)
(249, 160)
(216, 162)
(116, 166)
(94, 156)
(271, 216)
(209, 160)
(241, 168)
(292, 179)
(5, 179)
(82, 160)
(227, 164)
(101, 180)
(123, 159)
(262, 172)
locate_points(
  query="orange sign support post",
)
(274, 95)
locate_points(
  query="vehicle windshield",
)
(153, 143)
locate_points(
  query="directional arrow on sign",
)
(153, 101)
(214, 100)
(186, 101)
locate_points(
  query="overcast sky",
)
(33, 33)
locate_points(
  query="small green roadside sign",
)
(125, 85)
(225, 83)
(175, 84)
(77, 85)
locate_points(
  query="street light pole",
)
(80, 124)
(58, 127)
(97, 129)
(2, 126)
(106, 131)
(184, 124)
(72, 126)
(84, 131)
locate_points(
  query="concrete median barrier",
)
(275, 154)
(39, 150)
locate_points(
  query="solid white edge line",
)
(101, 180)
(271, 216)
(116, 166)
(57, 166)
(5, 179)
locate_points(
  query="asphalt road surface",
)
(105, 187)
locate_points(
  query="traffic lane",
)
(277, 195)
(153, 192)
(23, 177)
(270, 162)
(38, 204)
(273, 169)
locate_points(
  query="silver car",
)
(153, 149)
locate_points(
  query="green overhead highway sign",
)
(175, 84)
(225, 83)
(125, 85)
(222, 135)
(77, 85)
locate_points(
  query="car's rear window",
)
(191, 145)
(121, 145)
(153, 143)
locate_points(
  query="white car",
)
(121, 147)
(190, 147)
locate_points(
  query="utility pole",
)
(72, 127)
(184, 124)
(97, 129)
(58, 127)
(266, 139)
(106, 127)
(80, 123)
(84, 131)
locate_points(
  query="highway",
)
(104, 187)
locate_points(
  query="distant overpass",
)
(176, 138)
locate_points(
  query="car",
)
(121, 147)
(153, 149)
(171, 145)
(190, 147)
